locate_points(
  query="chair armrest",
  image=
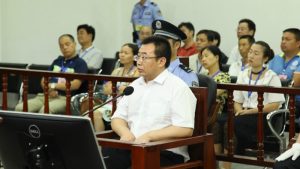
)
(106, 134)
(269, 118)
(161, 145)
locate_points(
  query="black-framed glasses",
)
(143, 57)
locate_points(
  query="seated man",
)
(290, 158)
(161, 107)
(89, 53)
(70, 63)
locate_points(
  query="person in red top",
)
(189, 47)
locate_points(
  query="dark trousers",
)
(288, 164)
(121, 159)
(245, 128)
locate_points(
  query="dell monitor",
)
(43, 141)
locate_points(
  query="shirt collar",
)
(160, 79)
(173, 65)
(87, 49)
(147, 3)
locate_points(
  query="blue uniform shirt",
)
(184, 73)
(282, 68)
(145, 15)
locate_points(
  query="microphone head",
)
(128, 90)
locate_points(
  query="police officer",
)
(143, 14)
(175, 36)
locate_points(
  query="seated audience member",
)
(126, 55)
(157, 110)
(145, 32)
(189, 45)
(217, 42)
(211, 61)
(89, 53)
(174, 36)
(245, 102)
(68, 63)
(290, 158)
(285, 64)
(245, 27)
(245, 43)
(204, 38)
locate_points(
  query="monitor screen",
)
(42, 141)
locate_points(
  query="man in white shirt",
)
(245, 27)
(161, 107)
(245, 43)
(89, 53)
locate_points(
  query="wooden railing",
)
(259, 160)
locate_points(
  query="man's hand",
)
(242, 112)
(53, 93)
(127, 137)
(294, 151)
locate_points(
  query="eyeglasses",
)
(142, 56)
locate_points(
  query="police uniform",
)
(144, 15)
(166, 29)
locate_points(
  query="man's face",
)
(202, 41)
(145, 32)
(187, 32)
(244, 47)
(83, 37)
(67, 47)
(243, 29)
(148, 65)
(289, 43)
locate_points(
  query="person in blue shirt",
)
(175, 36)
(143, 14)
(286, 64)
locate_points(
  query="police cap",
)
(167, 29)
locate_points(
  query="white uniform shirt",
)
(270, 79)
(236, 67)
(92, 56)
(234, 55)
(160, 103)
(196, 66)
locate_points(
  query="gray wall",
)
(29, 28)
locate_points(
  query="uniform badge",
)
(158, 25)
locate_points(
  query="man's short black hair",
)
(250, 38)
(162, 47)
(294, 31)
(89, 29)
(250, 23)
(188, 25)
(209, 34)
(217, 37)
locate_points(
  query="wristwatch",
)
(52, 85)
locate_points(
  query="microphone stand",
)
(96, 107)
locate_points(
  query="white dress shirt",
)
(160, 103)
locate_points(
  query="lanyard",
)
(199, 66)
(64, 68)
(86, 51)
(260, 73)
(286, 65)
(215, 74)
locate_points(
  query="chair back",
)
(205, 81)
(34, 82)
(108, 65)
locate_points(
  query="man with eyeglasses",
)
(156, 110)
(174, 35)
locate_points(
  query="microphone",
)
(127, 91)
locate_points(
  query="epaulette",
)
(154, 4)
(185, 68)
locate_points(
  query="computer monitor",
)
(42, 141)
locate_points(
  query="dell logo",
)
(34, 131)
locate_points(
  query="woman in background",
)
(126, 55)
